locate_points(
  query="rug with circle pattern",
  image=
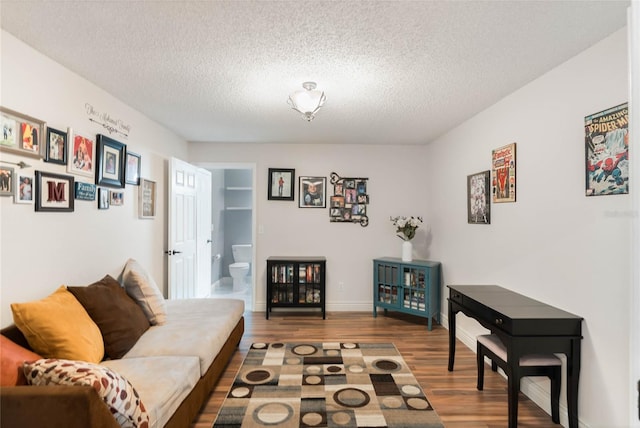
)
(328, 384)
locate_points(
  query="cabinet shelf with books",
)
(411, 287)
(296, 282)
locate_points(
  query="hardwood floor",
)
(452, 394)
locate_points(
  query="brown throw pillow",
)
(120, 320)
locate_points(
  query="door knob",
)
(172, 252)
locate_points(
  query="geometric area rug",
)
(327, 384)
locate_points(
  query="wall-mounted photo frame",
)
(54, 192)
(607, 151)
(503, 163)
(81, 155)
(111, 157)
(117, 198)
(312, 192)
(103, 198)
(478, 206)
(7, 179)
(147, 199)
(22, 134)
(281, 184)
(132, 175)
(24, 188)
(57, 142)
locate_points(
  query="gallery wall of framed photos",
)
(71, 166)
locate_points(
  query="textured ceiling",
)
(398, 72)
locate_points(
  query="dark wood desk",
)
(526, 326)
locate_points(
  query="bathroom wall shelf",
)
(238, 208)
(238, 188)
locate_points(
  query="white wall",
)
(554, 244)
(40, 251)
(396, 187)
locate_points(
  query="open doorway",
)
(232, 231)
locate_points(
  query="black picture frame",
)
(132, 174)
(478, 199)
(111, 157)
(313, 192)
(54, 192)
(281, 184)
(57, 146)
(103, 198)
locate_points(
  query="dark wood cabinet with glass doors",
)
(296, 282)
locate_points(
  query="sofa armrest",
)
(54, 407)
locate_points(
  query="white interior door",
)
(182, 249)
(203, 232)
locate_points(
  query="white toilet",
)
(239, 270)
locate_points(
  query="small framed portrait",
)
(7, 177)
(117, 198)
(103, 198)
(81, 155)
(132, 175)
(281, 184)
(147, 199)
(22, 134)
(56, 146)
(24, 188)
(111, 157)
(54, 192)
(478, 206)
(312, 192)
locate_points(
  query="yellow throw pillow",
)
(59, 327)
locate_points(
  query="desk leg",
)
(513, 390)
(452, 336)
(573, 376)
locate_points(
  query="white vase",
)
(407, 251)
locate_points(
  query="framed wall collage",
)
(95, 165)
(349, 200)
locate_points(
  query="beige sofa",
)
(171, 367)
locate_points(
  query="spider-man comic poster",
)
(607, 151)
(503, 182)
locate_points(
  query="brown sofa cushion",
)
(120, 320)
(12, 356)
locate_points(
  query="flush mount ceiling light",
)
(307, 102)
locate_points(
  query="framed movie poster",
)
(312, 192)
(478, 206)
(607, 151)
(281, 184)
(503, 164)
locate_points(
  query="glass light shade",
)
(308, 101)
